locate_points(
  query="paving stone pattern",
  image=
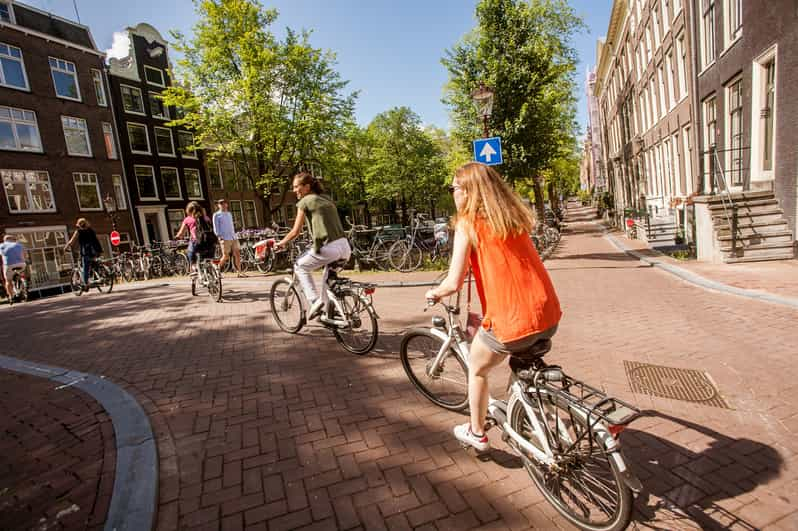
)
(262, 430)
(57, 456)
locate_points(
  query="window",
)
(670, 89)
(27, 191)
(12, 73)
(676, 164)
(19, 130)
(171, 183)
(186, 142)
(666, 17)
(99, 87)
(681, 60)
(5, 12)
(45, 248)
(110, 143)
(163, 141)
(734, 128)
(65, 79)
(139, 140)
(664, 96)
(154, 76)
(688, 160)
(119, 192)
(145, 180)
(733, 11)
(157, 108)
(215, 175)
(708, 33)
(238, 214)
(243, 174)
(131, 99)
(768, 114)
(656, 28)
(677, 6)
(250, 214)
(193, 186)
(229, 175)
(710, 124)
(88, 191)
(175, 219)
(76, 134)
(649, 50)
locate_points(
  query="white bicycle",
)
(564, 431)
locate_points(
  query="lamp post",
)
(110, 209)
(483, 99)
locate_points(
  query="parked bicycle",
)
(349, 313)
(407, 254)
(564, 430)
(101, 276)
(207, 275)
(369, 246)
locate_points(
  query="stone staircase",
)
(661, 233)
(762, 230)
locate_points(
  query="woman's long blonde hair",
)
(490, 199)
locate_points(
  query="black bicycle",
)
(407, 254)
(369, 246)
(101, 276)
(19, 284)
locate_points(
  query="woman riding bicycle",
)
(518, 300)
(327, 234)
(89, 245)
(194, 212)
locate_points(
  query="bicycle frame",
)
(328, 296)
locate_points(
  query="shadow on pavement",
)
(691, 485)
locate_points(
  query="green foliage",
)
(246, 93)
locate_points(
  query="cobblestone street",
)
(258, 429)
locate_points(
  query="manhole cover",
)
(670, 382)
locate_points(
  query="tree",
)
(521, 49)
(407, 166)
(245, 93)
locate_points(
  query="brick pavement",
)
(259, 429)
(57, 456)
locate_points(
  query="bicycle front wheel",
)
(107, 275)
(214, 277)
(586, 488)
(445, 386)
(286, 306)
(361, 332)
(405, 257)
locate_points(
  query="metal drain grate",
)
(670, 382)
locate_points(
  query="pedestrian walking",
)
(225, 230)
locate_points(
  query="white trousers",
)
(311, 261)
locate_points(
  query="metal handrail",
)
(730, 219)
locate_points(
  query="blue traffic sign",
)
(488, 150)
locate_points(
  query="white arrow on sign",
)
(487, 152)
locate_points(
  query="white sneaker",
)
(464, 435)
(315, 308)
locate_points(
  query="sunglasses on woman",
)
(452, 189)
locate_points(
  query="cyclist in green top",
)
(326, 232)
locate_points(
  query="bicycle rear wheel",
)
(107, 276)
(361, 332)
(129, 271)
(380, 255)
(214, 278)
(447, 387)
(267, 263)
(286, 306)
(405, 257)
(587, 487)
(181, 264)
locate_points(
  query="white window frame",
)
(163, 76)
(666, 20)
(708, 39)
(217, 164)
(254, 210)
(21, 60)
(670, 91)
(681, 68)
(146, 135)
(85, 131)
(687, 158)
(119, 191)
(108, 132)
(186, 172)
(10, 8)
(676, 164)
(171, 142)
(180, 214)
(155, 95)
(14, 121)
(183, 153)
(64, 71)
(758, 81)
(677, 8)
(179, 195)
(727, 133)
(709, 140)
(233, 203)
(154, 182)
(84, 179)
(27, 192)
(97, 77)
(141, 98)
(729, 39)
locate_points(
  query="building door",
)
(151, 221)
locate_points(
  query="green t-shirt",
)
(322, 216)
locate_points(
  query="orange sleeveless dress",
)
(517, 296)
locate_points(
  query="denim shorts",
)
(518, 345)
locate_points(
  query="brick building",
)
(164, 172)
(59, 155)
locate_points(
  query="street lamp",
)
(110, 208)
(483, 99)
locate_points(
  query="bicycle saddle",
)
(525, 359)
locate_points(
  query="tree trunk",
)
(554, 201)
(404, 210)
(540, 210)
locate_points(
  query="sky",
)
(389, 51)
